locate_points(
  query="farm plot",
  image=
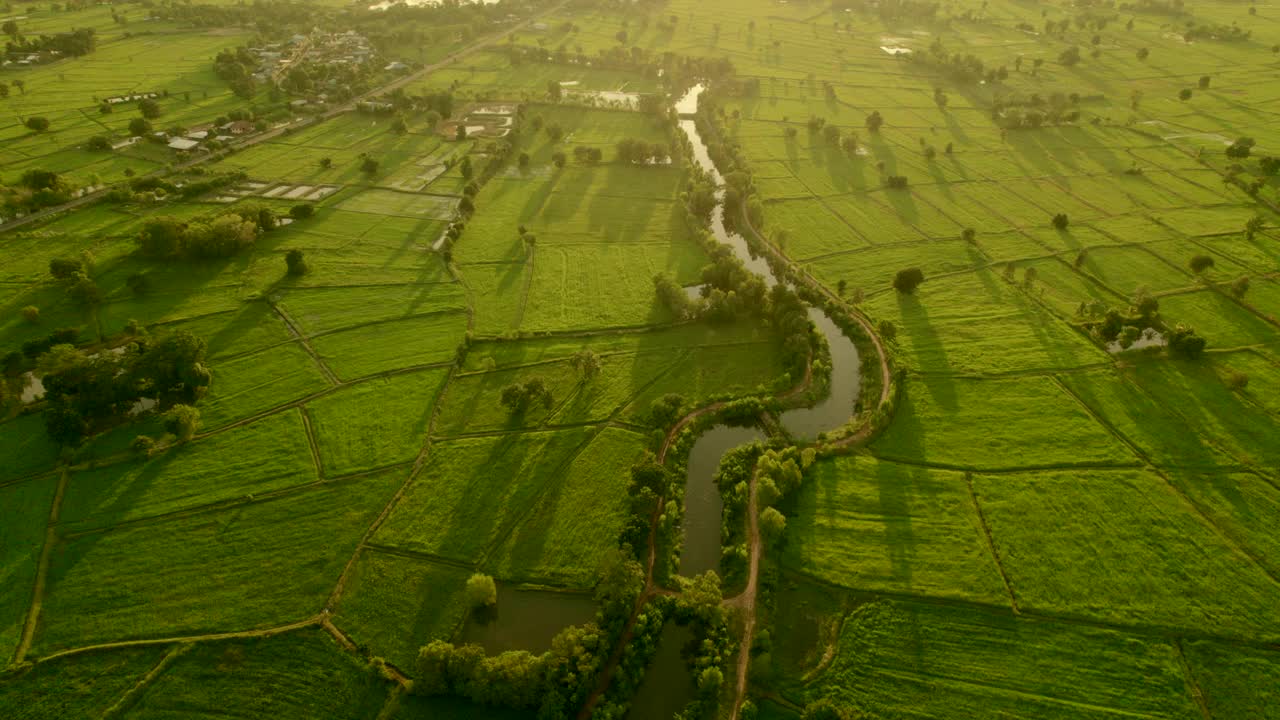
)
(474, 492)
(394, 604)
(953, 662)
(258, 564)
(1124, 547)
(303, 675)
(1010, 423)
(1236, 681)
(578, 520)
(20, 541)
(256, 383)
(376, 423)
(869, 524)
(979, 323)
(262, 457)
(84, 685)
(382, 347)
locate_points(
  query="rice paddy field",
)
(1044, 527)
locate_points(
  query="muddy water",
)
(527, 619)
(702, 503)
(667, 686)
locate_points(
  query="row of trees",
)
(221, 236)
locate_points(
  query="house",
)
(396, 66)
(198, 135)
(239, 127)
(183, 144)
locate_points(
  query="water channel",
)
(667, 686)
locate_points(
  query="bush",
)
(1061, 221)
(182, 421)
(296, 262)
(906, 281)
(1200, 263)
(31, 314)
(482, 592)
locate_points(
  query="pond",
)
(527, 619)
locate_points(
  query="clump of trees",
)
(639, 152)
(519, 397)
(220, 236)
(85, 393)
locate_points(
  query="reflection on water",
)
(702, 503)
(527, 619)
(668, 685)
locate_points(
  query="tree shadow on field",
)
(118, 494)
(894, 509)
(924, 337)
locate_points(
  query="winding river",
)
(667, 686)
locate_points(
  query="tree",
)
(586, 362)
(555, 132)
(149, 108)
(517, 397)
(326, 163)
(138, 283)
(906, 281)
(772, 524)
(1204, 82)
(37, 123)
(64, 268)
(1184, 94)
(139, 126)
(460, 132)
(1070, 56)
(399, 126)
(296, 262)
(1200, 263)
(84, 291)
(432, 676)
(523, 160)
(1184, 341)
(1240, 287)
(1241, 147)
(559, 159)
(1061, 221)
(874, 121)
(369, 166)
(99, 143)
(10, 28)
(887, 329)
(182, 421)
(31, 314)
(21, 85)
(969, 235)
(1252, 227)
(465, 168)
(302, 212)
(555, 91)
(482, 592)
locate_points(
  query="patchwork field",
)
(412, 355)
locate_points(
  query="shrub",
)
(906, 281)
(1200, 263)
(296, 262)
(482, 592)
(31, 314)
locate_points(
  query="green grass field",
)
(1039, 529)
